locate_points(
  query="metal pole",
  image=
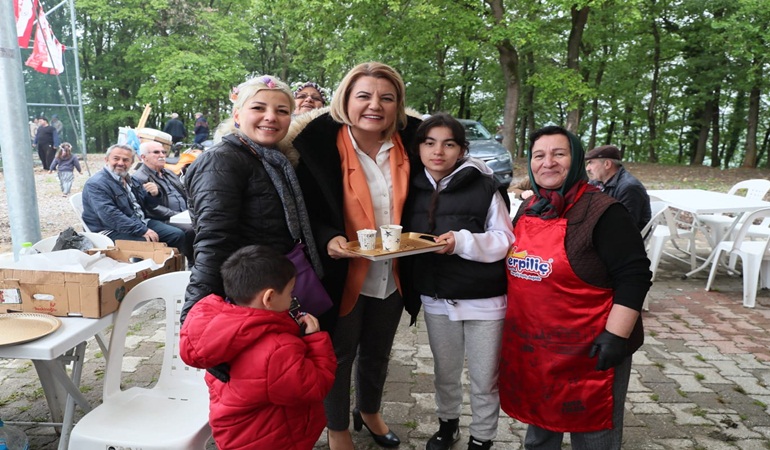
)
(80, 95)
(15, 142)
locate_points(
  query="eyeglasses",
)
(315, 98)
(158, 152)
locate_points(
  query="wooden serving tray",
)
(411, 244)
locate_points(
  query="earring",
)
(237, 125)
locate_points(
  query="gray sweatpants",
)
(540, 439)
(478, 341)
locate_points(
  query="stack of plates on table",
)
(16, 328)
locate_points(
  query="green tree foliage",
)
(669, 81)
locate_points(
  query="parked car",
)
(484, 147)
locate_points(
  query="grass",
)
(10, 399)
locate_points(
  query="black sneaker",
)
(476, 444)
(448, 433)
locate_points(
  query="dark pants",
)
(189, 240)
(46, 154)
(367, 332)
(172, 236)
(540, 439)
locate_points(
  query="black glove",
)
(612, 350)
(221, 372)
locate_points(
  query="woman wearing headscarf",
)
(577, 278)
(243, 190)
(354, 171)
(309, 96)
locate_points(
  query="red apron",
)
(546, 377)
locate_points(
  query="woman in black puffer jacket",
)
(243, 191)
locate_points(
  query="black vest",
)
(463, 204)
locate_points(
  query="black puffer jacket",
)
(233, 203)
(313, 136)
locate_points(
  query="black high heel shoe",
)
(388, 440)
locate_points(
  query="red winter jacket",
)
(278, 380)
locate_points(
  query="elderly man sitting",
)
(165, 187)
(114, 204)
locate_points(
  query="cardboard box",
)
(151, 134)
(81, 294)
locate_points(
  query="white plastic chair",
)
(657, 208)
(753, 254)
(718, 224)
(76, 200)
(674, 230)
(171, 415)
(656, 218)
(99, 240)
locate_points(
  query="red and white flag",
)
(47, 52)
(25, 17)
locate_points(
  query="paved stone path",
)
(699, 382)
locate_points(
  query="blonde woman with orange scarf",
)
(354, 173)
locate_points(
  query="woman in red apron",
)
(577, 277)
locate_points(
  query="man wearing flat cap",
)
(607, 172)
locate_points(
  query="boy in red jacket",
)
(278, 368)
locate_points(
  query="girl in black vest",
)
(463, 285)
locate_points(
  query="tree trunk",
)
(715, 160)
(763, 150)
(528, 121)
(629, 109)
(750, 160)
(579, 19)
(595, 106)
(509, 62)
(735, 127)
(702, 129)
(610, 132)
(651, 123)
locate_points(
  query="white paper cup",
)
(366, 239)
(391, 237)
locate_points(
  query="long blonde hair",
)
(246, 90)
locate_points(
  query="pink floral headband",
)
(266, 80)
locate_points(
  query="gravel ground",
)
(55, 211)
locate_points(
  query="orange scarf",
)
(358, 210)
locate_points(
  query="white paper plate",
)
(16, 328)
